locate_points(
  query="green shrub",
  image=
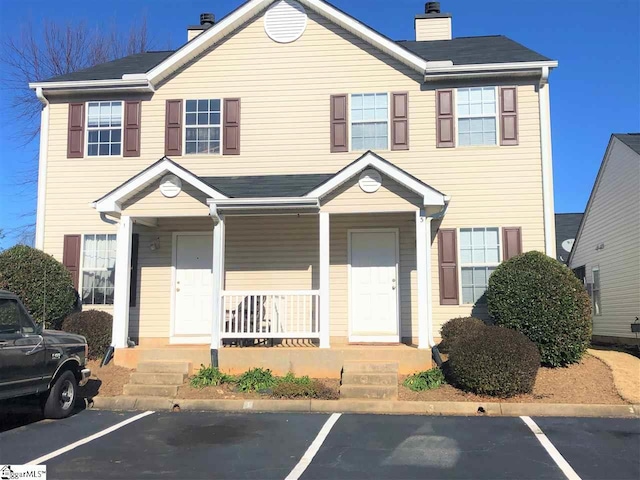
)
(297, 389)
(540, 297)
(427, 380)
(256, 380)
(495, 361)
(43, 284)
(456, 328)
(95, 326)
(210, 377)
(291, 378)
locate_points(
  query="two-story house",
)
(291, 177)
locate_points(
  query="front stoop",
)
(369, 381)
(157, 379)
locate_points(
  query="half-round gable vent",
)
(285, 21)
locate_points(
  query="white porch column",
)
(122, 282)
(324, 279)
(218, 285)
(423, 264)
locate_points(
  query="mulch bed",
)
(590, 381)
(228, 391)
(107, 381)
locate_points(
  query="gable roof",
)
(631, 140)
(152, 67)
(430, 195)
(567, 225)
(474, 50)
(112, 201)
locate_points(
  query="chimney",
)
(206, 21)
(433, 25)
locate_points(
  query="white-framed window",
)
(104, 128)
(98, 269)
(479, 257)
(595, 291)
(370, 121)
(202, 126)
(477, 116)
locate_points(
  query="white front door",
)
(374, 286)
(193, 284)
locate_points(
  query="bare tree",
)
(52, 50)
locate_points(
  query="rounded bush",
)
(540, 297)
(457, 328)
(95, 326)
(494, 361)
(43, 284)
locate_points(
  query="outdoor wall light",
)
(155, 245)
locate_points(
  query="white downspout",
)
(42, 168)
(547, 164)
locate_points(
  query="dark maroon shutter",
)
(445, 122)
(399, 121)
(511, 242)
(508, 116)
(75, 137)
(71, 256)
(173, 131)
(339, 120)
(133, 286)
(231, 133)
(132, 118)
(447, 266)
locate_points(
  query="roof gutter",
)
(95, 86)
(439, 70)
(277, 203)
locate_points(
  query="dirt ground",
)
(590, 381)
(107, 381)
(227, 391)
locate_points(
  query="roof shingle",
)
(631, 140)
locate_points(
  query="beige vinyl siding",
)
(285, 130)
(150, 202)
(390, 197)
(433, 29)
(613, 219)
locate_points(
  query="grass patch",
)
(427, 380)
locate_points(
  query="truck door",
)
(22, 351)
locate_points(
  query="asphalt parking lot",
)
(194, 445)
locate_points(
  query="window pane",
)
(104, 136)
(466, 256)
(478, 255)
(357, 130)
(115, 149)
(214, 119)
(214, 147)
(356, 102)
(467, 277)
(115, 136)
(203, 105)
(191, 133)
(98, 296)
(463, 95)
(475, 109)
(465, 237)
(493, 255)
(190, 105)
(93, 150)
(356, 115)
(488, 94)
(369, 101)
(203, 119)
(357, 143)
(191, 119)
(467, 295)
(108, 296)
(475, 95)
(381, 143)
(87, 295)
(478, 237)
(214, 133)
(479, 277)
(464, 139)
(93, 136)
(191, 147)
(214, 105)
(489, 138)
(463, 109)
(489, 108)
(104, 149)
(202, 147)
(203, 134)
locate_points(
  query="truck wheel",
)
(62, 396)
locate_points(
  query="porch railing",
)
(270, 314)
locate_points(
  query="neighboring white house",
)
(606, 252)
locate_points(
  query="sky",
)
(595, 91)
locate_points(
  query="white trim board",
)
(373, 338)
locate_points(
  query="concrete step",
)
(164, 367)
(369, 392)
(139, 378)
(151, 390)
(370, 367)
(352, 378)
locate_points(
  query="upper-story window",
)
(479, 257)
(104, 128)
(202, 126)
(370, 121)
(477, 116)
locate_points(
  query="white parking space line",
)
(88, 439)
(306, 459)
(557, 457)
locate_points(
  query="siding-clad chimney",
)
(433, 25)
(206, 21)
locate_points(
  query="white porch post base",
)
(122, 282)
(423, 260)
(218, 285)
(324, 280)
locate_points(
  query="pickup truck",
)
(34, 361)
